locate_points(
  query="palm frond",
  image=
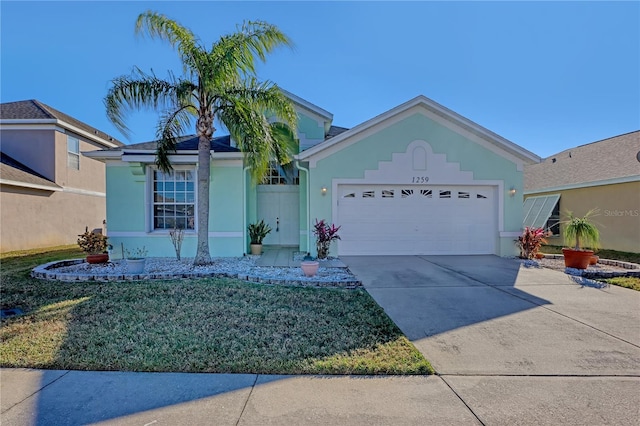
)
(171, 125)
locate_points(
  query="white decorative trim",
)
(398, 172)
(613, 181)
(83, 191)
(29, 185)
(19, 125)
(164, 234)
(434, 111)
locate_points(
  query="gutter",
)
(299, 167)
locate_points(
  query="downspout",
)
(299, 167)
(244, 210)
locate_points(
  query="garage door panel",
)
(379, 219)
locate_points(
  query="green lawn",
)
(208, 325)
(628, 282)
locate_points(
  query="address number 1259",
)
(420, 179)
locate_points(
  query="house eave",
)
(51, 124)
(149, 156)
(613, 181)
(308, 105)
(422, 101)
(29, 185)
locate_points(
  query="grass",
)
(208, 325)
(627, 282)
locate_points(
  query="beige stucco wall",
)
(619, 217)
(90, 177)
(34, 148)
(33, 218)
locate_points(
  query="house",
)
(417, 179)
(603, 175)
(49, 192)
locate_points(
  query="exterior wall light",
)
(512, 191)
(323, 191)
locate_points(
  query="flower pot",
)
(135, 266)
(578, 259)
(594, 259)
(539, 256)
(97, 258)
(256, 249)
(309, 267)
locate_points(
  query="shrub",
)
(324, 233)
(92, 243)
(257, 231)
(530, 241)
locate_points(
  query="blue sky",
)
(545, 75)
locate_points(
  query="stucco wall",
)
(90, 176)
(366, 153)
(129, 218)
(33, 218)
(619, 218)
(34, 148)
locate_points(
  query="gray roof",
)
(14, 170)
(335, 131)
(186, 143)
(36, 110)
(613, 158)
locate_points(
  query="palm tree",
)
(220, 84)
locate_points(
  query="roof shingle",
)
(612, 158)
(13, 170)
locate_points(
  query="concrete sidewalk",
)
(36, 397)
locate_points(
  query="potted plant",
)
(95, 245)
(530, 242)
(257, 232)
(579, 231)
(325, 234)
(136, 260)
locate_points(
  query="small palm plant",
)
(581, 230)
(258, 231)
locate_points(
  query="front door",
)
(278, 206)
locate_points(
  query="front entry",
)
(278, 206)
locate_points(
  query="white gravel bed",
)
(237, 266)
(598, 270)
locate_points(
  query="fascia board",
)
(29, 185)
(308, 105)
(62, 124)
(613, 181)
(437, 109)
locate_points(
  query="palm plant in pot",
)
(581, 232)
(94, 245)
(257, 232)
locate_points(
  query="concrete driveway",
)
(517, 345)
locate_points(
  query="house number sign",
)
(420, 179)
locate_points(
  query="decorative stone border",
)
(47, 272)
(633, 269)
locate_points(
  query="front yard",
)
(207, 325)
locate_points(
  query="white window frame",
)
(73, 154)
(151, 199)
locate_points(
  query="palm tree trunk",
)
(203, 257)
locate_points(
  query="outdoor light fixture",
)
(323, 191)
(512, 191)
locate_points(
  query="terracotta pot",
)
(594, 259)
(309, 267)
(578, 259)
(539, 256)
(256, 249)
(98, 258)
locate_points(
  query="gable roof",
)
(13, 172)
(433, 108)
(308, 105)
(612, 159)
(35, 112)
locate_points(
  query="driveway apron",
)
(499, 334)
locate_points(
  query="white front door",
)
(278, 206)
(417, 219)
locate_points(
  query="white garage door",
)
(425, 219)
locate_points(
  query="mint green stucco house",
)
(417, 179)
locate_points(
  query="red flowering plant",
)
(324, 233)
(530, 242)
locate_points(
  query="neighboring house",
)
(418, 179)
(603, 175)
(49, 192)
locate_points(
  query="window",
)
(174, 199)
(349, 195)
(538, 211)
(445, 194)
(553, 223)
(387, 193)
(426, 193)
(480, 196)
(406, 193)
(73, 153)
(368, 194)
(281, 175)
(463, 194)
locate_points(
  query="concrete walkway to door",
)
(517, 345)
